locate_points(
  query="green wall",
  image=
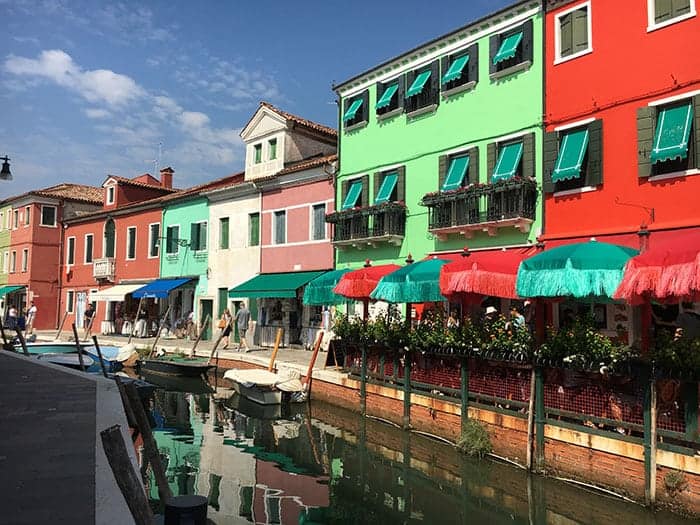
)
(491, 110)
(4, 242)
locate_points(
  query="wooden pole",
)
(80, 349)
(22, 341)
(160, 329)
(5, 344)
(60, 326)
(149, 443)
(278, 338)
(216, 343)
(133, 324)
(199, 335)
(530, 422)
(130, 417)
(99, 354)
(125, 476)
(310, 371)
(89, 327)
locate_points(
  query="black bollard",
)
(186, 510)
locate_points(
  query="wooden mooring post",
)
(60, 326)
(79, 348)
(22, 341)
(406, 391)
(99, 354)
(464, 393)
(363, 381)
(650, 442)
(199, 335)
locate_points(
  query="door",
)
(223, 301)
(80, 304)
(207, 308)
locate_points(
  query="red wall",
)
(627, 69)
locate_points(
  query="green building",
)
(439, 146)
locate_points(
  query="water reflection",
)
(305, 464)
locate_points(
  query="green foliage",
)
(505, 338)
(677, 354)
(675, 482)
(475, 440)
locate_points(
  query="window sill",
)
(355, 127)
(575, 191)
(673, 175)
(666, 23)
(47, 225)
(389, 114)
(467, 86)
(420, 111)
(511, 70)
(561, 60)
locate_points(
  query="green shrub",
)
(475, 440)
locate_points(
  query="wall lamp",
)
(5, 174)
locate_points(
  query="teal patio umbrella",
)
(319, 292)
(414, 283)
(585, 269)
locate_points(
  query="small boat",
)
(266, 388)
(175, 366)
(110, 354)
(51, 347)
(171, 383)
(67, 360)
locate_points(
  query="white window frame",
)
(68, 244)
(27, 216)
(262, 154)
(6, 262)
(110, 194)
(558, 59)
(269, 149)
(55, 216)
(651, 16)
(25, 259)
(311, 220)
(85, 250)
(177, 245)
(273, 238)
(150, 240)
(218, 237)
(70, 293)
(15, 218)
(126, 253)
(13, 261)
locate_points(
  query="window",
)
(460, 71)
(257, 153)
(70, 251)
(198, 236)
(70, 301)
(88, 248)
(572, 35)
(131, 243)
(253, 229)
(110, 195)
(272, 149)
(13, 262)
(356, 112)
(48, 216)
(27, 215)
(458, 170)
(2, 220)
(511, 158)
(665, 12)
(390, 97)
(318, 222)
(510, 51)
(223, 233)
(25, 259)
(153, 239)
(6, 262)
(573, 157)
(508, 164)
(352, 191)
(15, 219)
(668, 138)
(172, 236)
(109, 238)
(385, 187)
(279, 226)
(423, 88)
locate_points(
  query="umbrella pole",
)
(365, 309)
(136, 318)
(409, 307)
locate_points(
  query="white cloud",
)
(97, 113)
(193, 119)
(99, 85)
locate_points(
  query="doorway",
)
(207, 309)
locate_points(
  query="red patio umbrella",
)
(669, 270)
(358, 284)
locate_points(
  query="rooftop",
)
(66, 191)
(301, 121)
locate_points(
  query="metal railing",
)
(368, 223)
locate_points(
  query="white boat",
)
(266, 388)
(68, 360)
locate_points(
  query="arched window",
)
(109, 238)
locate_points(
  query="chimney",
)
(166, 177)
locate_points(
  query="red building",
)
(113, 251)
(36, 242)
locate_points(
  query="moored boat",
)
(266, 388)
(175, 366)
(67, 360)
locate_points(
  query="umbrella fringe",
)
(408, 292)
(567, 281)
(481, 282)
(354, 289)
(659, 282)
(321, 295)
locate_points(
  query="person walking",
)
(87, 319)
(242, 321)
(225, 325)
(31, 317)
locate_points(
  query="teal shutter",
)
(443, 161)
(549, 159)
(580, 30)
(645, 136)
(696, 128)
(595, 153)
(491, 150)
(529, 155)
(387, 187)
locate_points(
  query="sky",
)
(91, 89)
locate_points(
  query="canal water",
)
(319, 463)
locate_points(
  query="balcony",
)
(361, 227)
(103, 269)
(484, 207)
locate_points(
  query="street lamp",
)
(5, 173)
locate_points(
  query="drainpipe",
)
(543, 215)
(60, 262)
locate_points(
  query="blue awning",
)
(159, 288)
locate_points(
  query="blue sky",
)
(92, 88)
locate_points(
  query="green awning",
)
(319, 291)
(352, 110)
(508, 47)
(571, 152)
(672, 133)
(455, 70)
(4, 290)
(282, 285)
(387, 187)
(508, 162)
(456, 172)
(352, 195)
(418, 84)
(386, 97)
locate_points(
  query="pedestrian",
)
(11, 320)
(242, 321)
(453, 320)
(225, 325)
(87, 319)
(517, 319)
(31, 317)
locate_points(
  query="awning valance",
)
(672, 133)
(353, 195)
(160, 288)
(352, 110)
(571, 153)
(418, 84)
(386, 97)
(282, 285)
(4, 290)
(508, 48)
(455, 70)
(387, 188)
(508, 161)
(115, 293)
(456, 172)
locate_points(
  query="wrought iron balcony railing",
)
(368, 226)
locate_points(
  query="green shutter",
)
(508, 47)
(680, 7)
(580, 30)
(490, 159)
(455, 174)
(595, 153)
(696, 106)
(473, 65)
(572, 150)
(387, 188)
(566, 35)
(443, 160)
(529, 155)
(494, 44)
(549, 159)
(387, 95)
(456, 69)
(401, 184)
(352, 195)
(672, 133)
(377, 178)
(223, 233)
(508, 161)
(418, 83)
(645, 135)
(528, 43)
(273, 149)
(664, 10)
(254, 229)
(364, 198)
(473, 169)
